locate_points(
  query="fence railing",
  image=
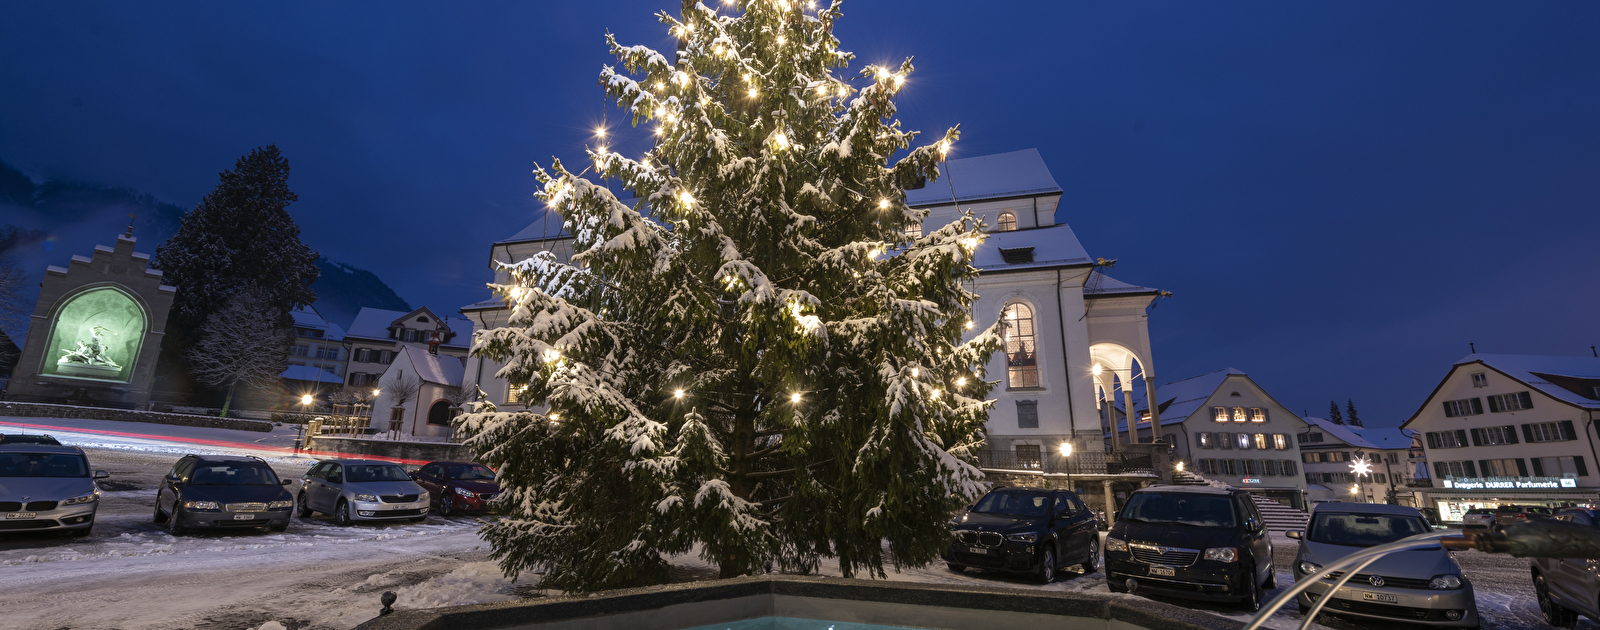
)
(1078, 464)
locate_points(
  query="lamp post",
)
(1066, 454)
(1360, 467)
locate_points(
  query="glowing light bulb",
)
(961, 382)
(969, 243)
(555, 417)
(660, 131)
(811, 4)
(376, 393)
(935, 394)
(883, 73)
(601, 150)
(689, 27)
(659, 86)
(899, 80)
(1066, 449)
(1096, 370)
(551, 356)
(969, 324)
(680, 78)
(600, 131)
(794, 398)
(843, 91)
(717, 49)
(752, 92)
(883, 204)
(677, 393)
(781, 140)
(944, 147)
(1179, 466)
(306, 399)
(822, 90)
(747, 77)
(660, 112)
(686, 198)
(781, 40)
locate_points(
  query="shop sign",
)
(1510, 483)
(1250, 480)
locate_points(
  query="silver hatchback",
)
(1423, 586)
(44, 487)
(361, 490)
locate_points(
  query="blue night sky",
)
(1341, 195)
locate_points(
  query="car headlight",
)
(202, 505)
(1026, 537)
(278, 505)
(80, 499)
(1309, 568)
(1446, 582)
(1116, 544)
(368, 498)
(465, 492)
(1223, 554)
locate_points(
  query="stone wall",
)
(39, 410)
(393, 449)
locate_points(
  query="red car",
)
(455, 487)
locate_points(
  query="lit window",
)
(1008, 222)
(1220, 413)
(1280, 441)
(1204, 440)
(1021, 357)
(1261, 441)
(1243, 439)
(1238, 414)
(914, 230)
(1258, 414)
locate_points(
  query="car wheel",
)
(341, 514)
(278, 528)
(1554, 614)
(301, 507)
(446, 507)
(1252, 598)
(1093, 558)
(174, 520)
(958, 568)
(160, 517)
(1047, 566)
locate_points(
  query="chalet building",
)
(1511, 429)
(317, 360)
(375, 336)
(1329, 452)
(428, 412)
(1227, 428)
(1074, 337)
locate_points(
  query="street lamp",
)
(1360, 466)
(1066, 454)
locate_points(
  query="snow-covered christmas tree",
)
(759, 359)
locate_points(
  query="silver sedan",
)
(361, 490)
(1422, 586)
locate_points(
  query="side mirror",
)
(101, 474)
(1252, 524)
(287, 481)
(1293, 534)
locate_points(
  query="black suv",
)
(222, 492)
(28, 438)
(1024, 530)
(1195, 542)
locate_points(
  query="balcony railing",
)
(1078, 464)
(1418, 482)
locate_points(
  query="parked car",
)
(1220, 552)
(47, 487)
(210, 492)
(1420, 586)
(28, 438)
(457, 486)
(1569, 587)
(1024, 530)
(1479, 518)
(1431, 515)
(361, 490)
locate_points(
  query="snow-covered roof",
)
(435, 368)
(1180, 398)
(546, 227)
(1052, 246)
(308, 317)
(1533, 370)
(309, 373)
(1100, 284)
(373, 323)
(1014, 174)
(1360, 437)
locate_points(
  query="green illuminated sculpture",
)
(97, 333)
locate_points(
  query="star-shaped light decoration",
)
(1361, 467)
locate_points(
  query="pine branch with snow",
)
(756, 357)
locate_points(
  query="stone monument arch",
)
(96, 331)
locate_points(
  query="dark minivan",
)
(1193, 542)
(1024, 530)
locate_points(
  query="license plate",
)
(1380, 597)
(979, 550)
(21, 514)
(244, 517)
(1164, 571)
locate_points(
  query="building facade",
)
(1503, 429)
(429, 411)
(1063, 315)
(374, 339)
(318, 357)
(1227, 428)
(1356, 464)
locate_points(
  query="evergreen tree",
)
(239, 235)
(1333, 413)
(756, 360)
(1350, 413)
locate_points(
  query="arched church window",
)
(1008, 222)
(1022, 364)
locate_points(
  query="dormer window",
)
(1016, 255)
(1480, 379)
(1008, 222)
(422, 320)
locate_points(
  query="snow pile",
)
(272, 625)
(471, 583)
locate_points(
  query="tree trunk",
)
(735, 562)
(228, 401)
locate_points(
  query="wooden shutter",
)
(1583, 471)
(1527, 433)
(1510, 432)
(1477, 406)
(1522, 468)
(1494, 404)
(1566, 431)
(1538, 466)
(1433, 440)
(1440, 469)
(1449, 409)
(1461, 437)
(1527, 400)
(1477, 437)
(1470, 471)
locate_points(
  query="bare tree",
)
(402, 389)
(242, 344)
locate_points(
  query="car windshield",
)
(1363, 530)
(472, 472)
(233, 474)
(1183, 509)
(1030, 504)
(374, 472)
(43, 465)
